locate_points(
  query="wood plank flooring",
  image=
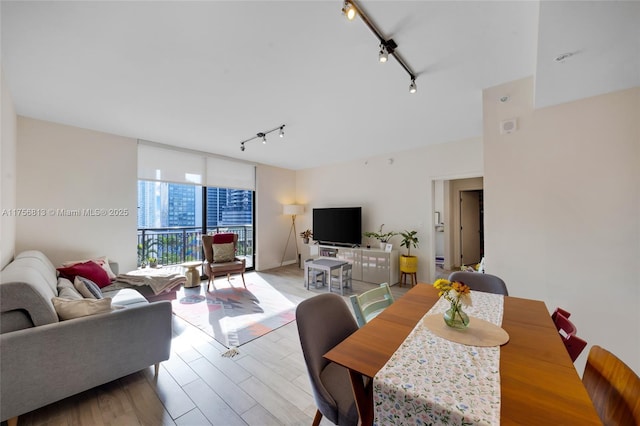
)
(266, 384)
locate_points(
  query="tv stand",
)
(369, 265)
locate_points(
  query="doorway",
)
(448, 238)
(471, 227)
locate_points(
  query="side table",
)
(192, 274)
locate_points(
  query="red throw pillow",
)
(89, 270)
(223, 238)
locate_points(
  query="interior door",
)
(470, 227)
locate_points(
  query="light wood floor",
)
(266, 384)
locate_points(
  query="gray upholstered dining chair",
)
(323, 322)
(480, 282)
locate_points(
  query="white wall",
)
(398, 193)
(63, 167)
(8, 175)
(562, 209)
(274, 188)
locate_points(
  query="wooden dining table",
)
(538, 382)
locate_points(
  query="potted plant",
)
(146, 250)
(381, 236)
(306, 235)
(408, 263)
(153, 262)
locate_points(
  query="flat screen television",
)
(338, 225)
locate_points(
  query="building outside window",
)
(171, 218)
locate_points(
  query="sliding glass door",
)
(172, 218)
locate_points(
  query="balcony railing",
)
(175, 245)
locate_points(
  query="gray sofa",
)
(43, 359)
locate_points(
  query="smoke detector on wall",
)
(508, 126)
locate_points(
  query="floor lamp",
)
(293, 210)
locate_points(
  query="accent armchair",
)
(220, 257)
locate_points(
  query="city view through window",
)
(172, 218)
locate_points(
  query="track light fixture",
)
(387, 46)
(263, 136)
(383, 56)
(349, 10)
(412, 87)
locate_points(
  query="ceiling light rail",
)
(263, 136)
(387, 46)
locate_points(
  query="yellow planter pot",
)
(408, 264)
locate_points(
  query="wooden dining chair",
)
(613, 388)
(369, 304)
(480, 282)
(323, 322)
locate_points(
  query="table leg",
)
(363, 394)
(306, 275)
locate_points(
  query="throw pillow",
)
(226, 237)
(69, 309)
(223, 253)
(66, 290)
(87, 288)
(90, 270)
(103, 261)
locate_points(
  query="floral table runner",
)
(433, 381)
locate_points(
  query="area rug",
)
(232, 314)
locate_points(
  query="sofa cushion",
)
(89, 270)
(125, 297)
(223, 252)
(39, 266)
(66, 290)
(69, 309)
(87, 288)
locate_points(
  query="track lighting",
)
(383, 56)
(349, 10)
(387, 46)
(412, 87)
(263, 136)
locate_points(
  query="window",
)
(182, 194)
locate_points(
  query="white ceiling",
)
(207, 75)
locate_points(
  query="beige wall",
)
(396, 190)
(562, 209)
(275, 187)
(63, 167)
(8, 175)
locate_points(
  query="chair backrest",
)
(480, 282)
(567, 330)
(369, 304)
(613, 388)
(564, 325)
(323, 322)
(209, 240)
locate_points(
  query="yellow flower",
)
(442, 285)
(461, 288)
(455, 292)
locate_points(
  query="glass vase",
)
(455, 317)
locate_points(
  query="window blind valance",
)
(159, 163)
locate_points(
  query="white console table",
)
(369, 265)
